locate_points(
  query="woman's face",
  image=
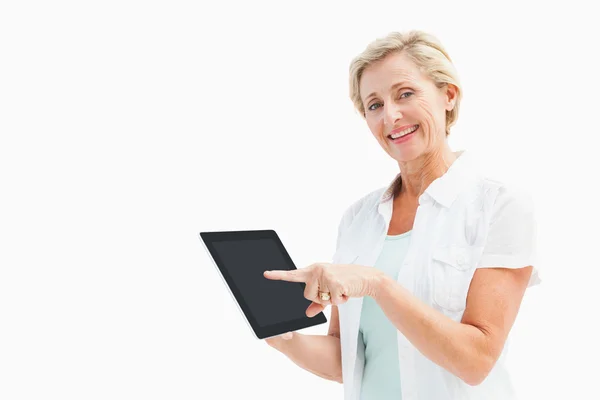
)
(398, 98)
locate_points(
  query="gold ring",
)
(324, 296)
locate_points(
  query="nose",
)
(392, 114)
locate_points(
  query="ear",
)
(451, 96)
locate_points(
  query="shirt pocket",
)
(452, 270)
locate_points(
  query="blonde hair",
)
(424, 49)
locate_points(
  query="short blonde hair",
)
(424, 49)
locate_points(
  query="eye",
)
(409, 93)
(374, 104)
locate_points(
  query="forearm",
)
(318, 354)
(462, 349)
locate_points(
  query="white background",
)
(128, 127)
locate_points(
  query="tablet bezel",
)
(208, 238)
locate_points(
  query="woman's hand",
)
(273, 341)
(341, 281)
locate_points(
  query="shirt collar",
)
(444, 189)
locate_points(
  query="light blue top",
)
(381, 377)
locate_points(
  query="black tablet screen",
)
(270, 302)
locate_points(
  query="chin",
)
(407, 155)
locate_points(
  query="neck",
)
(418, 174)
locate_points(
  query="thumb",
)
(314, 309)
(287, 335)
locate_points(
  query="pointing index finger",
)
(296, 275)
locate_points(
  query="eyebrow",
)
(394, 86)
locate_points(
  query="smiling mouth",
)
(403, 134)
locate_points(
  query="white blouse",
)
(464, 221)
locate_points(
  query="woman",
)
(429, 272)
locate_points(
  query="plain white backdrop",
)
(127, 127)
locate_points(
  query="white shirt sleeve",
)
(343, 224)
(512, 235)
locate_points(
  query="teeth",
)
(404, 132)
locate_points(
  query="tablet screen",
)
(271, 307)
(270, 302)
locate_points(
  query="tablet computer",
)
(270, 307)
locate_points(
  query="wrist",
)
(379, 281)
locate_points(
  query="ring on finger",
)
(325, 296)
